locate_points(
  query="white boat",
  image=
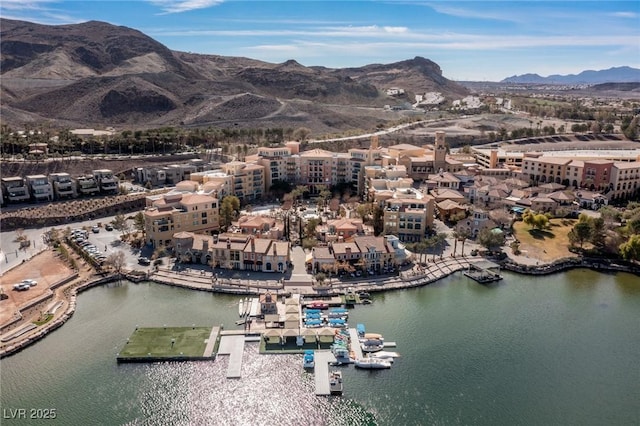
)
(308, 361)
(241, 308)
(335, 383)
(372, 363)
(387, 356)
(372, 345)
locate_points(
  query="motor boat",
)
(372, 363)
(318, 304)
(372, 345)
(335, 383)
(308, 360)
(385, 355)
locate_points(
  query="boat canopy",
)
(314, 315)
(360, 328)
(313, 322)
(341, 310)
(336, 321)
(312, 311)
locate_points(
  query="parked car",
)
(108, 228)
(144, 260)
(29, 282)
(95, 229)
(21, 287)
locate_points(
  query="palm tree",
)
(463, 235)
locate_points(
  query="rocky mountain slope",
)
(96, 74)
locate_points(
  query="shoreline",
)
(435, 271)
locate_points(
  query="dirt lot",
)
(46, 268)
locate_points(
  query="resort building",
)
(365, 253)
(339, 230)
(624, 180)
(177, 212)
(40, 188)
(248, 180)
(233, 251)
(15, 189)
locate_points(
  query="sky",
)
(472, 40)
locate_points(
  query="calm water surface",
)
(530, 350)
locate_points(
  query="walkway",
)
(355, 343)
(211, 342)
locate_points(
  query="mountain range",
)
(96, 74)
(611, 75)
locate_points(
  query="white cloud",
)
(179, 6)
(624, 14)
(483, 13)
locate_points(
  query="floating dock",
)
(232, 345)
(321, 371)
(483, 272)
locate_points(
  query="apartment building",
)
(178, 212)
(40, 188)
(63, 186)
(106, 181)
(408, 215)
(248, 180)
(87, 185)
(15, 189)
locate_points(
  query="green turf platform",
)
(166, 344)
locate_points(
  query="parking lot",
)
(108, 242)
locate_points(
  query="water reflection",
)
(273, 390)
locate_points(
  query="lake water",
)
(562, 349)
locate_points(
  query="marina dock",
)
(232, 345)
(355, 343)
(321, 371)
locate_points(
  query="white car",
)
(29, 282)
(21, 287)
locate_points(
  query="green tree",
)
(581, 232)
(120, 224)
(631, 249)
(228, 210)
(490, 239)
(138, 222)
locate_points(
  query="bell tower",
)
(440, 152)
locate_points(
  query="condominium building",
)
(177, 212)
(408, 215)
(63, 186)
(15, 189)
(40, 188)
(87, 185)
(248, 180)
(106, 181)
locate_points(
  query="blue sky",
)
(472, 40)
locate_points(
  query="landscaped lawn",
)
(547, 244)
(157, 341)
